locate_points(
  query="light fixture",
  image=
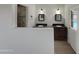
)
(58, 11)
(41, 11)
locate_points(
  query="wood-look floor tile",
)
(62, 47)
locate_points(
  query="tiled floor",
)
(62, 47)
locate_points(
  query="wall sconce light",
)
(58, 11)
(41, 11)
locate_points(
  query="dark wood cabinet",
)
(60, 33)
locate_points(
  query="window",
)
(74, 20)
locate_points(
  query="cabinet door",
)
(60, 34)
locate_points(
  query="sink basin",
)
(58, 26)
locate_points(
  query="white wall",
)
(73, 37)
(31, 12)
(71, 32)
(77, 35)
(6, 16)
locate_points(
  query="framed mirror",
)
(41, 17)
(58, 17)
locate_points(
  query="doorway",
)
(21, 16)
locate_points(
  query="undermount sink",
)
(58, 26)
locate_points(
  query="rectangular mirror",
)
(58, 17)
(41, 17)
